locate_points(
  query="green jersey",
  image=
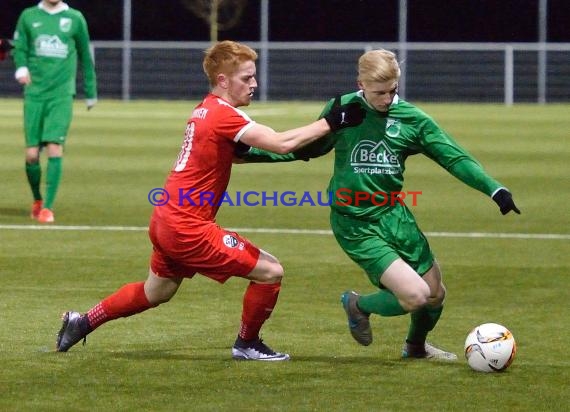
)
(49, 45)
(370, 158)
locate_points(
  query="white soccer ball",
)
(490, 347)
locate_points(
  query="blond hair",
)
(378, 66)
(225, 57)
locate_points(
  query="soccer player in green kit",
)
(48, 41)
(368, 217)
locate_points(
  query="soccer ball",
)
(490, 347)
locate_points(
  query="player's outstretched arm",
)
(339, 117)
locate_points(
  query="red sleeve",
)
(231, 123)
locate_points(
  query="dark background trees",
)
(324, 20)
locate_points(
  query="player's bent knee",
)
(415, 301)
(160, 290)
(273, 274)
(157, 298)
(437, 300)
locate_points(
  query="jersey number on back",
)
(182, 159)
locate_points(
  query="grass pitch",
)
(506, 269)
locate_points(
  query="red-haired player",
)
(186, 239)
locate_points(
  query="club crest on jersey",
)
(65, 24)
(393, 127)
(232, 242)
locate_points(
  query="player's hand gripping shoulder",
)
(344, 115)
(504, 199)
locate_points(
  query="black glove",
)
(504, 199)
(241, 149)
(345, 115)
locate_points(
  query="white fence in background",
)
(433, 72)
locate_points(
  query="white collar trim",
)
(60, 7)
(395, 100)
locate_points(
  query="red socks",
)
(258, 303)
(127, 301)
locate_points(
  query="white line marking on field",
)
(318, 232)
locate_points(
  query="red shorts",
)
(200, 247)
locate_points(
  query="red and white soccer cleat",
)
(46, 216)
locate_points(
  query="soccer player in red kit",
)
(185, 237)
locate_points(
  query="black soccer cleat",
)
(70, 332)
(256, 350)
(426, 351)
(358, 321)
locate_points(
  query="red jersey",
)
(197, 183)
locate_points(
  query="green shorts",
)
(47, 121)
(376, 245)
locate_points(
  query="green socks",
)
(423, 321)
(382, 303)
(52, 180)
(34, 174)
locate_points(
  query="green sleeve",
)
(86, 60)
(317, 148)
(443, 149)
(472, 174)
(20, 52)
(255, 155)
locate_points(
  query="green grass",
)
(177, 357)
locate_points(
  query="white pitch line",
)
(546, 236)
(318, 232)
(76, 228)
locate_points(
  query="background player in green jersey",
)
(48, 41)
(381, 236)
